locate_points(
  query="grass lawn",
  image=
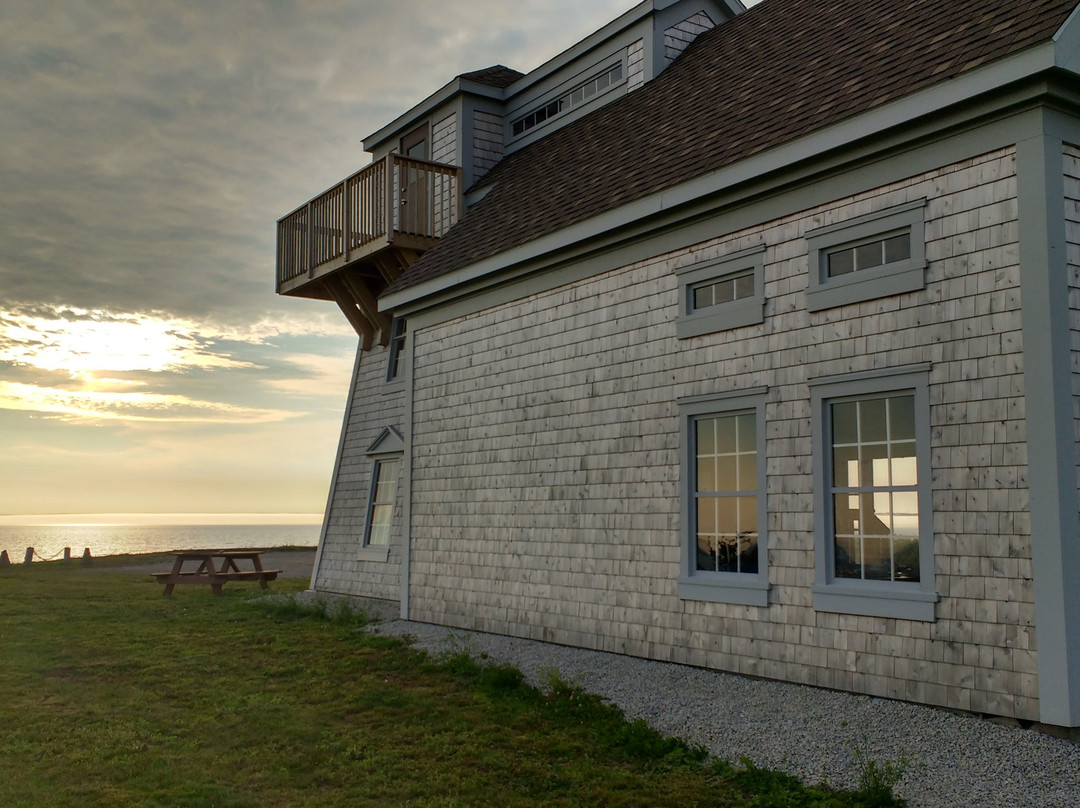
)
(113, 695)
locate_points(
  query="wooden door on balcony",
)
(415, 208)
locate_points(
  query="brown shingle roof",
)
(498, 76)
(779, 71)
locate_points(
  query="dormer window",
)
(576, 97)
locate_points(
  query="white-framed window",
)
(381, 502)
(867, 257)
(724, 535)
(873, 534)
(386, 453)
(726, 293)
(396, 352)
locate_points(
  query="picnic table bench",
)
(216, 568)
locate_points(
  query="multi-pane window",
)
(738, 286)
(726, 493)
(874, 488)
(873, 531)
(870, 254)
(867, 257)
(397, 348)
(381, 502)
(577, 96)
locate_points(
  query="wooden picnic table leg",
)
(178, 564)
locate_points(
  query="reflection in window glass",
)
(381, 511)
(875, 510)
(725, 493)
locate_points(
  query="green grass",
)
(113, 695)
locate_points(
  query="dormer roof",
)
(776, 73)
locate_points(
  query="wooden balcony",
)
(350, 242)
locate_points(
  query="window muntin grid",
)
(873, 488)
(576, 97)
(737, 286)
(726, 493)
(877, 252)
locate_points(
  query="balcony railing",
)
(396, 196)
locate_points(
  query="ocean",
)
(49, 541)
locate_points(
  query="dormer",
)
(356, 238)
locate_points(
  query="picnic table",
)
(216, 568)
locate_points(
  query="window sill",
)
(875, 601)
(739, 589)
(377, 554)
(868, 284)
(394, 387)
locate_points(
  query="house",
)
(743, 339)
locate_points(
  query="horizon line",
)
(171, 518)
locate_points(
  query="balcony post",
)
(391, 199)
(346, 226)
(310, 215)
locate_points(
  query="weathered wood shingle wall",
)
(370, 410)
(546, 458)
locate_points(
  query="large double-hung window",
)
(723, 478)
(873, 532)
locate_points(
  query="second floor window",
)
(397, 348)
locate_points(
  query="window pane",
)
(724, 291)
(748, 553)
(898, 248)
(747, 430)
(875, 516)
(841, 262)
(747, 515)
(905, 507)
(706, 436)
(877, 559)
(706, 516)
(845, 514)
(872, 422)
(725, 473)
(874, 465)
(703, 297)
(706, 474)
(725, 434)
(904, 469)
(727, 554)
(744, 286)
(848, 557)
(846, 466)
(844, 423)
(902, 418)
(726, 516)
(868, 255)
(747, 472)
(706, 553)
(906, 559)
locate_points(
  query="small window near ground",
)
(381, 503)
(722, 294)
(868, 257)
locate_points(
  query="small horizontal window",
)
(718, 295)
(579, 95)
(872, 256)
(737, 286)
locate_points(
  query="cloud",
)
(155, 407)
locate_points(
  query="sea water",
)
(49, 541)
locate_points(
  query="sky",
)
(146, 151)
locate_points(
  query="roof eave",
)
(937, 98)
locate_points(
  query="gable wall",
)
(370, 410)
(677, 38)
(546, 459)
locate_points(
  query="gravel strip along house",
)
(736, 338)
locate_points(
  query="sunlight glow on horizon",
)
(173, 519)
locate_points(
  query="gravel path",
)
(955, 760)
